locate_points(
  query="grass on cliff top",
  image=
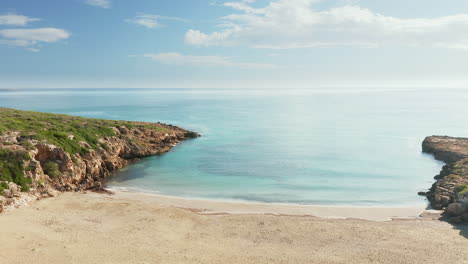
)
(61, 130)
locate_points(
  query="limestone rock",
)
(14, 189)
(7, 193)
(124, 130)
(3, 202)
(446, 191)
(89, 166)
(447, 149)
(455, 209)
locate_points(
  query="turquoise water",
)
(290, 146)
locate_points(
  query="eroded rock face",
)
(87, 170)
(12, 191)
(446, 149)
(48, 152)
(448, 191)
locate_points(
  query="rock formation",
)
(38, 167)
(450, 191)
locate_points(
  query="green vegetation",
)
(52, 169)
(462, 189)
(27, 145)
(40, 182)
(3, 186)
(61, 130)
(12, 167)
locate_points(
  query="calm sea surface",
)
(289, 146)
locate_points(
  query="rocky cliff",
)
(450, 191)
(42, 154)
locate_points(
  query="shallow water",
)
(348, 147)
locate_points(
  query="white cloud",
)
(148, 21)
(284, 24)
(35, 34)
(99, 3)
(152, 21)
(16, 42)
(173, 58)
(16, 20)
(28, 38)
(31, 37)
(33, 49)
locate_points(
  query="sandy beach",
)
(138, 228)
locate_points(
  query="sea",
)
(346, 147)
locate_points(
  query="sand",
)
(137, 228)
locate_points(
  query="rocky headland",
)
(42, 154)
(450, 191)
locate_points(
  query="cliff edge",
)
(450, 191)
(42, 154)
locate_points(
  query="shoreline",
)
(92, 227)
(211, 207)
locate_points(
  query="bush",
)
(12, 167)
(3, 186)
(27, 145)
(462, 189)
(52, 169)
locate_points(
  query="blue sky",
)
(243, 43)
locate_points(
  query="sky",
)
(233, 44)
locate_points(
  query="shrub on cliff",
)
(3, 186)
(12, 167)
(463, 189)
(51, 168)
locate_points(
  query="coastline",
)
(132, 228)
(44, 153)
(213, 207)
(450, 190)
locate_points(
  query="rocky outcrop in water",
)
(450, 191)
(35, 166)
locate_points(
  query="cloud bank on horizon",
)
(174, 58)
